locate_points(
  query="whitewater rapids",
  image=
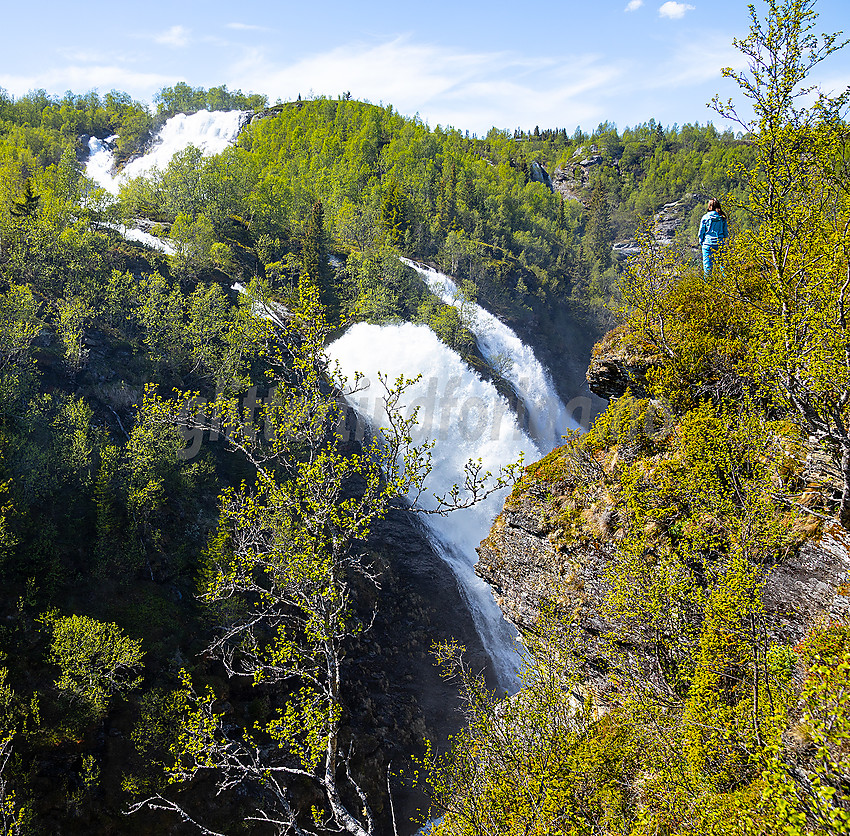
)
(547, 416)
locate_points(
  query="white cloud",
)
(175, 36)
(634, 5)
(83, 57)
(673, 10)
(252, 27)
(692, 63)
(470, 90)
(80, 79)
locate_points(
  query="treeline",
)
(479, 208)
(43, 125)
(474, 206)
(183, 98)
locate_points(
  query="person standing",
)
(713, 230)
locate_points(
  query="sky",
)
(471, 65)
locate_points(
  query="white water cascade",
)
(548, 418)
(101, 163)
(209, 131)
(467, 418)
(133, 234)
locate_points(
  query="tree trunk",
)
(844, 508)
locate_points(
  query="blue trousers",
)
(707, 254)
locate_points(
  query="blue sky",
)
(467, 64)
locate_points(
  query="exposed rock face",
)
(521, 559)
(666, 225)
(616, 367)
(528, 573)
(673, 216)
(572, 179)
(540, 175)
(535, 561)
(810, 588)
(568, 185)
(610, 377)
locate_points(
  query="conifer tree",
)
(599, 231)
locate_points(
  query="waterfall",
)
(467, 418)
(548, 418)
(209, 131)
(463, 413)
(133, 234)
(101, 163)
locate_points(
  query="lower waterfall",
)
(468, 419)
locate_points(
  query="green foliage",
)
(153, 736)
(200, 334)
(600, 236)
(447, 323)
(639, 426)
(11, 813)
(826, 645)
(380, 288)
(394, 220)
(689, 492)
(193, 240)
(182, 98)
(536, 762)
(95, 660)
(826, 722)
(45, 124)
(19, 326)
(72, 316)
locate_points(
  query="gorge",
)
(463, 414)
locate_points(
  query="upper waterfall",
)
(209, 131)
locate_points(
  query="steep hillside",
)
(680, 572)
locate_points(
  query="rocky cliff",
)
(533, 564)
(540, 554)
(616, 367)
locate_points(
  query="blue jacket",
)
(712, 229)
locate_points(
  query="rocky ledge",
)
(617, 367)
